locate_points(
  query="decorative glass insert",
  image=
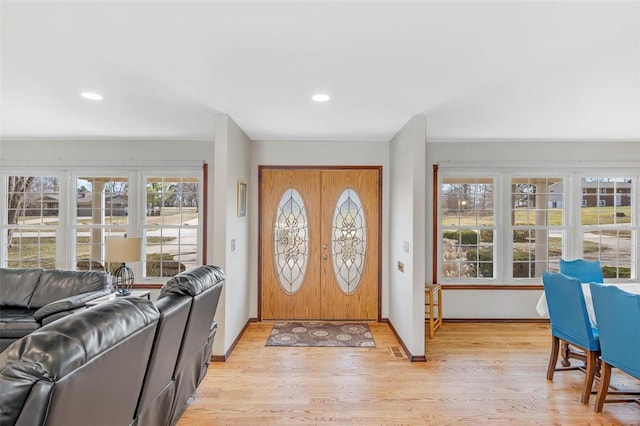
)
(349, 241)
(291, 241)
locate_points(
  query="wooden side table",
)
(433, 307)
(134, 293)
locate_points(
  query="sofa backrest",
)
(85, 368)
(17, 285)
(57, 284)
(158, 390)
(204, 285)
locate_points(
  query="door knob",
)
(325, 257)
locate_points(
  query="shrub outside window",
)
(468, 227)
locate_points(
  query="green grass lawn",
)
(589, 216)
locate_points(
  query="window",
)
(608, 234)
(510, 227)
(61, 220)
(102, 204)
(468, 227)
(32, 220)
(536, 219)
(171, 225)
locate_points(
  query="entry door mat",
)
(327, 334)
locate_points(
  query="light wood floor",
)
(475, 374)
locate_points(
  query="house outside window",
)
(102, 204)
(31, 221)
(537, 225)
(608, 231)
(532, 223)
(61, 220)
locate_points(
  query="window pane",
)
(467, 202)
(32, 248)
(536, 201)
(613, 248)
(606, 201)
(535, 251)
(467, 253)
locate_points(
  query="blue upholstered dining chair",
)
(618, 317)
(587, 271)
(570, 323)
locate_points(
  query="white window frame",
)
(497, 234)
(68, 175)
(573, 201)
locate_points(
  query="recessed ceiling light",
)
(320, 97)
(91, 96)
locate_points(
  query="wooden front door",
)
(319, 243)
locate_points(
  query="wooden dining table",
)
(630, 287)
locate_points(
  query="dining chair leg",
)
(553, 359)
(605, 378)
(592, 363)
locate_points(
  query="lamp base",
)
(123, 280)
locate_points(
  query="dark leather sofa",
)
(33, 297)
(125, 376)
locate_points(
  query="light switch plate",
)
(406, 246)
(233, 244)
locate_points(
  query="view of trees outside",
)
(467, 227)
(102, 209)
(32, 221)
(536, 223)
(171, 224)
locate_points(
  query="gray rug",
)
(327, 334)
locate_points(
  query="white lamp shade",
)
(123, 249)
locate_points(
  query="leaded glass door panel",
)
(319, 243)
(290, 244)
(350, 240)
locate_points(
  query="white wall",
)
(287, 153)
(233, 163)
(407, 234)
(500, 156)
(61, 153)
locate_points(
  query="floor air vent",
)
(396, 352)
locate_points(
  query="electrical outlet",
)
(400, 266)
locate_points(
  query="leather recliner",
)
(204, 286)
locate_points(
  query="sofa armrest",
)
(68, 304)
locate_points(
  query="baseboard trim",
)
(410, 356)
(502, 320)
(225, 357)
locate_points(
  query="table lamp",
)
(123, 249)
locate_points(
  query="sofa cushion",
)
(16, 322)
(56, 284)
(18, 286)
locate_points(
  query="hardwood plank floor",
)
(475, 374)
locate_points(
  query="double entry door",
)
(319, 243)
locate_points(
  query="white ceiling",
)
(478, 70)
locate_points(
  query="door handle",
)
(324, 246)
(325, 257)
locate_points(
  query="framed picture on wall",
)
(242, 199)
